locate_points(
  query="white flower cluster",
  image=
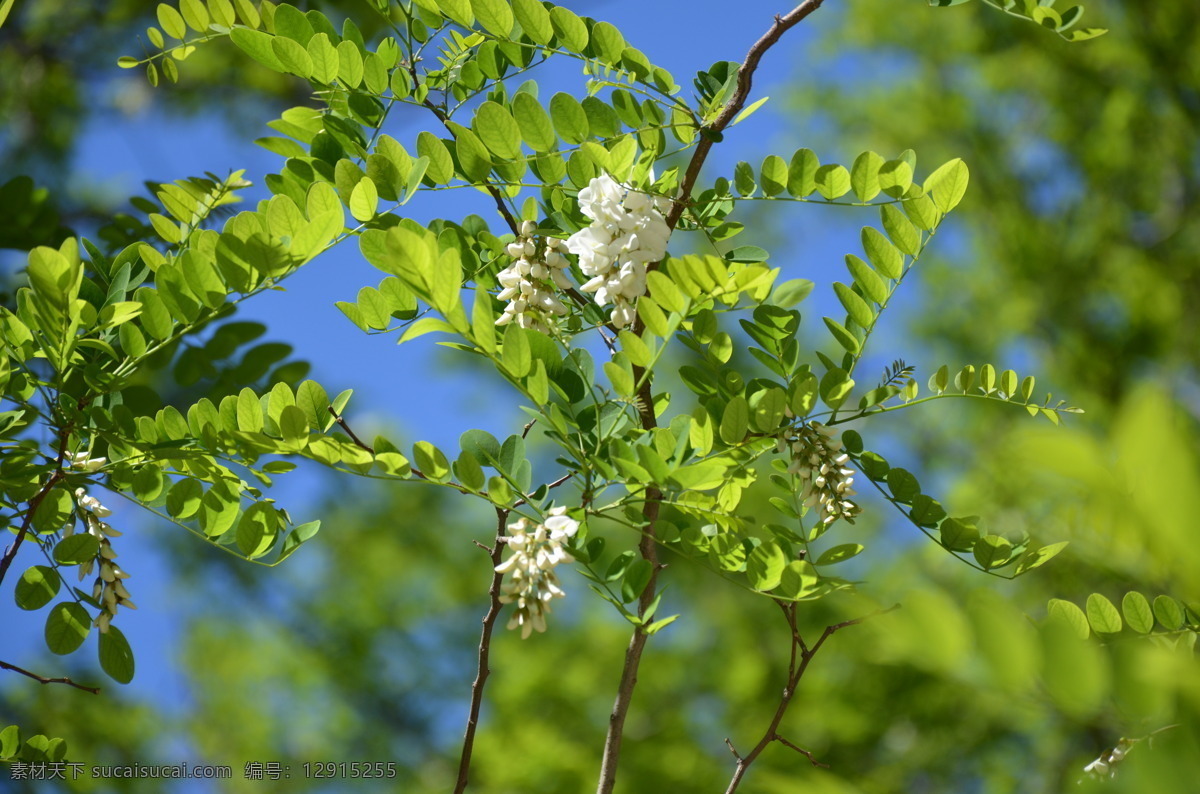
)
(536, 550)
(529, 282)
(627, 233)
(1105, 766)
(109, 590)
(819, 460)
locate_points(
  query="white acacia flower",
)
(528, 284)
(530, 579)
(80, 460)
(818, 459)
(628, 232)
(108, 590)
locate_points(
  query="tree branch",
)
(485, 646)
(801, 656)
(95, 690)
(358, 442)
(711, 132)
(648, 545)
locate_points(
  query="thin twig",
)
(801, 750)
(95, 690)
(492, 190)
(711, 132)
(801, 656)
(358, 442)
(58, 474)
(648, 545)
(485, 646)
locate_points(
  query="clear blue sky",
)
(410, 388)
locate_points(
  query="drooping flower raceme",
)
(528, 283)
(108, 589)
(627, 233)
(531, 582)
(818, 459)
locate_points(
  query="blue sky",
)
(411, 388)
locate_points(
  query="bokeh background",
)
(1073, 257)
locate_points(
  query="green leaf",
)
(55, 511)
(1102, 615)
(324, 59)
(183, 500)
(67, 626)
(1038, 556)
(900, 229)
(864, 175)
(441, 164)
(886, 257)
(496, 16)
(293, 56)
(571, 31)
(515, 353)
(767, 409)
(1138, 613)
(840, 553)
(867, 280)
(1070, 615)
(10, 737)
(948, 184)
(836, 386)
(458, 10)
(431, 461)
(895, 177)
(743, 179)
(469, 472)
(364, 200)
(735, 421)
(256, 530)
(799, 579)
(249, 411)
(607, 43)
(569, 118)
(903, 485)
(116, 657)
(257, 45)
(765, 565)
(534, 19)
(171, 21)
(833, 181)
(533, 122)
(802, 173)
(774, 175)
(195, 14)
(350, 64)
(1169, 613)
(749, 110)
(791, 292)
(498, 130)
(37, 587)
(992, 551)
(76, 549)
(858, 309)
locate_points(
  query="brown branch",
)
(710, 133)
(804, 655)
(58, 474)
(95, 690)
(501, 207)
(485, 646)
(801, 750)
(648, 545)
(10, 553)
(358, 442)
